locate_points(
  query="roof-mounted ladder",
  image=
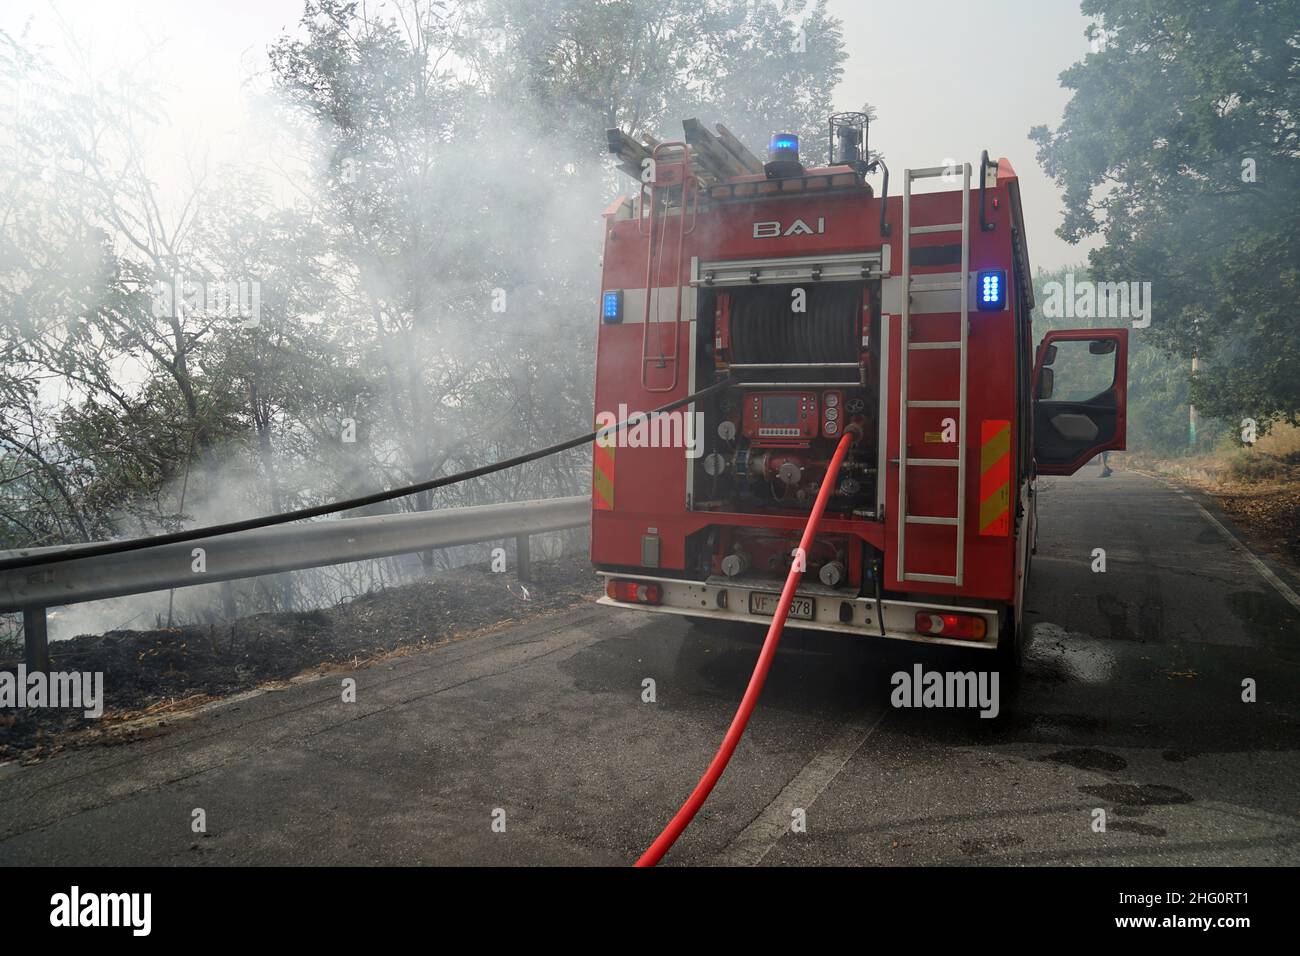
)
(672, 179)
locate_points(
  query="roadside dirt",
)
(158, 673)
(1270, 514)
(1261, 495)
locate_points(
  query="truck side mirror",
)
(1100, 346)
(1045, 383)
(1049, 356)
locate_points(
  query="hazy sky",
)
(948, 78)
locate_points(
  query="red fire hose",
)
(678, 823)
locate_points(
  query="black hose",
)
(984, 161)
(765, 330)
(266, 521)
(884, 198)
(879, 568)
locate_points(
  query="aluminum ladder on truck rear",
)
(948, 282)
(672, 171)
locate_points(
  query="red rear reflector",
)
(937, 624)
(634, 592)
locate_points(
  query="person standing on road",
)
(1105, 465)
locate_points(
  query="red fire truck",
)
(821, 306)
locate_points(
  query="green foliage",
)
(1180, 148)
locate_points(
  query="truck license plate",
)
(801, 608)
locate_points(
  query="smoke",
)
(411, 193)
(455, 330)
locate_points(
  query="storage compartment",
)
(804, 361)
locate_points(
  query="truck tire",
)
(1012, 639)
(1010, 653)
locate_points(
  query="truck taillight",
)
(965, 626)
(634, 592)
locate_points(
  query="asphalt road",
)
(1131, 704)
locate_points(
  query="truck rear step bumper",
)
(842, 613)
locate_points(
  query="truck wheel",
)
(1012, 639)
(1011, 652)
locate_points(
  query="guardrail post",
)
(523, 565)
(228, 607)
(36, 641)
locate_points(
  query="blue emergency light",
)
(991, 290)
(783, 157)
(783, 142)
(611, 307)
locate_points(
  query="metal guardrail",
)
(289, 547)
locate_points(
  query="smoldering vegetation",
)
(397, 281)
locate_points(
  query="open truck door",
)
(1080, 385)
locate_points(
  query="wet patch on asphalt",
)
(982, 847)
(1138, 794)
(1087, 758)
(1132, 826)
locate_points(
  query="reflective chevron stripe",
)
(995, 477)
(602, 471)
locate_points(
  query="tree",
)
(427, 303)
(774, 71)
(1180, 148)
(758, 66)
(110, 390)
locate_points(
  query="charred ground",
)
(156, 673)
